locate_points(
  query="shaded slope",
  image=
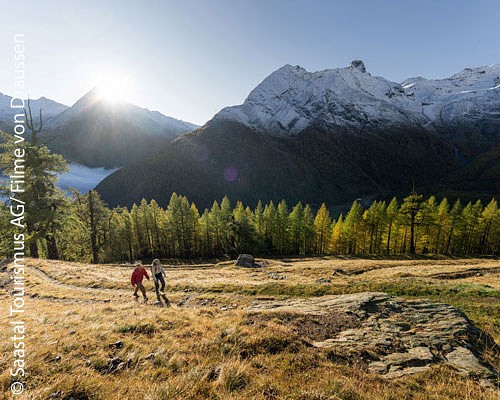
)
(226, 157)
(97, 133)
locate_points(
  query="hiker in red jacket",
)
(136, 280)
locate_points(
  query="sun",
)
(113, 87)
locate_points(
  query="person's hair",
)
(137, 262)
(156, 262)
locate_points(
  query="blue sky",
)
(188, 59)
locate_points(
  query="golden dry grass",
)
(206, 350)
(305, 271)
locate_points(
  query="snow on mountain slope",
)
(466, 95)
(333, 136)
(291, 98)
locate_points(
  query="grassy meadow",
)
(79, 316)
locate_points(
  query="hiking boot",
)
(145, 299)
(136, 297)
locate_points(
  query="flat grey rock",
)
(467, 363)
(390, 336)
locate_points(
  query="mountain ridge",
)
(95, 132)
(291, 98)
(50, 108)
(332, 136)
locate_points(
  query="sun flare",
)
(113, 87)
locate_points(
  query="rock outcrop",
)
(389, 336)
(359, 65)
(246, 261)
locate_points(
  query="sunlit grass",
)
(207, 350)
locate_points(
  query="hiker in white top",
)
(158, 277)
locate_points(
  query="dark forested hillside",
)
(335, 166)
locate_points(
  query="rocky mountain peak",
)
(292, 98)
(358, 64)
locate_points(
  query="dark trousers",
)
(140, 286)
(159, 279)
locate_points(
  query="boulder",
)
(386, 335)
(246, 261)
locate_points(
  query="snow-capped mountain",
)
(333, 136)
(466, 97)
(292, 99)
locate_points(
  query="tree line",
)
(87, 230)
(83, 228)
